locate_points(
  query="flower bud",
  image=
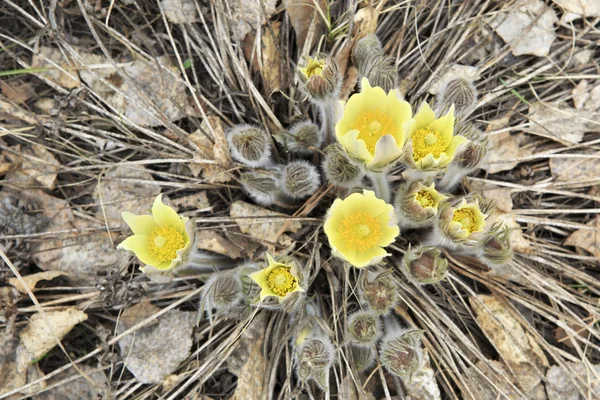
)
(321, 78)
(249, 145)
(496, 247)
(314, 358)
(459, 91)
(366, 49)
(364, 328)
(381, 294)
(381, 71)
(260, 186)
(299, 179)
(222, 292)
(423, 265)
(400, 352)
(340, 169)
(304, 135)
(461, 222)
(417, 204)
(363, 357)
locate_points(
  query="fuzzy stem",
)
(381, 186)
(451, 178)
(327, 121)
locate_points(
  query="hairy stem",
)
(381, 186)
(327, 121)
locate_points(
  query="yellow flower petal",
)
(387, 151)
(451, 150)
(260, 278)
(165, 216)
(365, 258)
(355, 147)
(139, 244)
(139, 224)
(424, 117)
(388, 236)
(444, 125)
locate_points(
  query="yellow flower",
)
(358, 228)
(372, 129)
(432, 144)
(313, 67)
(160, 240)
(321, 78)
(417, 203)
(277, 279)
(463, 221)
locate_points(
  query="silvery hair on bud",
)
(249, 145)
(459, 91)
(366, 49)
(340, 169)
(299, 179)
(381, 71)
(305, 134)
(261, 186)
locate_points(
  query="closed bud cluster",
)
(340, 169)
(299, 179)
(249, 145)
(303, 136)
(400, 352)
(459, 91)
(363, 357)
(314, 357)
(366, 49)
(380, 71)
(260, 186)
(364, 328)
(222, 292)
(424, 265)
(417, 204)
(321, 78)
(496, 247)
(380, 295)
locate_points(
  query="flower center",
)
(281, 281)
(360, 231)
(466, 217)
(372, 125)
(425, 198)
(164, 242)
(314, 68)
(425, 141)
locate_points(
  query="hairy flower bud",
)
(461, 222)
(222, 292)
(314, 357)
(249, 145)
(380, 294)
(459, 91)
(321, 78)
(303, 136)
(340, 169)
(400, 352)
(417, 204)
(364, 328)
(363, 357)
(299, 179)
(496, 246)
(424, 265)
(380, 71)
(366, 49)
(260, 186)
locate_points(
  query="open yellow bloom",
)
(432, 144)
(159, 240)
(358, 228)
(463, 221)
(373, 126)
(277, 279)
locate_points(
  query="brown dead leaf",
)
(51, 58)
(39, 167)
(587, 8)
(349, 391)
(305, 19)
(198, 201)
(236, 247)
(422, 384)
(490, 388)
(268, 64)
(575, 169)
(560, 385)
(40, 334)
(365, 22)
(259, 228)
(505, 149)
(32, 280)
(217, 151)
(248, 14)
(587, 239)
(13, 376)
(17, 91)
(559, 122)
(78, 387)
(180, 11)
(251, 376)
(518, 349)
(10, 161)
(254, 333)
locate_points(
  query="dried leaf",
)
(269, 65)
(559, 122)
(495, 384)
(10, 161)
(586, 98)
(587, 8)
(17, 91)
(254, 333)
(575, 169)
(306, 18)
(518, 349)
(454, 71)
(217, 151)
(261, 228)
(180, 11)
(349, 391)
(32, 280)
(78, 387)
(41, 332)
(39, 167)
(587, 239)
(365, 22)
(153, 352)
(528, 28)
(504, 150)
(234, 247)
(560, 385)
(49, 58)
(251, 375)
(197, 201)
(247, 15)
(422, 385)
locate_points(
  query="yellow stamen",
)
(425, 198)
(164, 242)
(314, 67)
(372, 125)
(281, 281)
(425, 141)
(360, 231)
(466, 217)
